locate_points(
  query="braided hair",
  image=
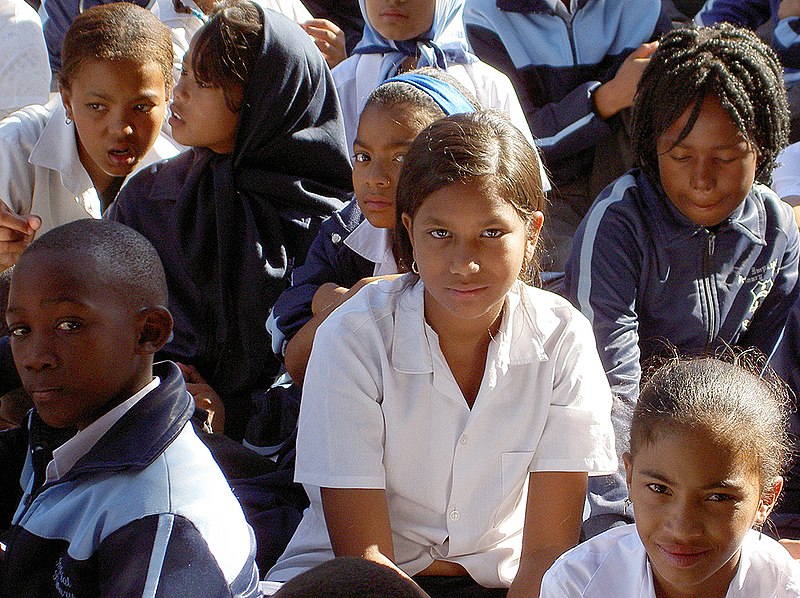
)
(731, 63)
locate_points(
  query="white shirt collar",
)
(65, 456)
(519, 340)
(375, 245)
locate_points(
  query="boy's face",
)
(76, 341)
(401, 20)
(709, 173)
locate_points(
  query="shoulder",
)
(609, 564)
(25, 124)
(776, 208)
(344, 72)
(163, 179)
(766, 568)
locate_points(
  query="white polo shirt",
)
(615, 563)
(41, 172)
(381, 409)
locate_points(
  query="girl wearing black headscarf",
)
(232, 216)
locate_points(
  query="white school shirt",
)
(373, 244)
(381, 409)
(786, 177)
(615, 563)
(41, 172)
(24, 65)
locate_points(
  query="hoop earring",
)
(68, 120)
(414, 268)
(628, 503)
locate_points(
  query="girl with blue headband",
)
(401, 36)
(450, 416)
(355, 246)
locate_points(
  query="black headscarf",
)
(245, 219)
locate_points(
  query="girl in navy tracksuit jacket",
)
(690, 250)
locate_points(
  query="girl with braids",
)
(707, 448)
(691, 247)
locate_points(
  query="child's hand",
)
(329, 38)
(617, 94)
(793, 546)
(16, 233)
(205, 397)
(789, 8)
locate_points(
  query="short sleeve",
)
(578, 435)
(341, 429)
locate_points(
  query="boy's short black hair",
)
(125, 259)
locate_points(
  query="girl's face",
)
(469, 245)
(709, 173)
(695, 497)
(383, 137)
(118, 108)
(401, 19)
(200, 117)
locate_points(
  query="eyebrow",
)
(58, 300)
(359, 142)
(726, 483)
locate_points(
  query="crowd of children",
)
(371, 235)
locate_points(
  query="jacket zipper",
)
(708, 287)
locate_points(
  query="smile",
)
(682, 556)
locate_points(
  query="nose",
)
(702, 175)
(180, 87)
(378, 174)
(463, 259)
(685, 520)
(121, 124)
(35, 354)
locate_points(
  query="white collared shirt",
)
(381, 409)
(41, 172)
(615, 564)
(375, 245)
(65, 456)
(24, 65)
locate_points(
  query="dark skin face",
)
(81, 344)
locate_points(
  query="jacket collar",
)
(671, 225)
(142, 434)
(520, 339)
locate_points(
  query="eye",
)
(492, 233)
(679, 158)
(204, 85)
(658, 488)
(361, 157)
(143, 107)
(68, 326)
(439, 233)
(18, 330)
(94, 106)
(719, 497)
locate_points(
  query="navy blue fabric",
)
(556, 65)
(42, 565)
(329, 260)
(230, 228)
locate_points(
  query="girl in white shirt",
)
(450, 416)
(708, 444)
(68, 159)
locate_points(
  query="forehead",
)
(389, 124)
(713, 127)
(464, 202)
(124, 78)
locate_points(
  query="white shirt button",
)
(454, 515)
(463, 439)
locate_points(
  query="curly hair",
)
(730, 63)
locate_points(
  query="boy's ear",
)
(628, 460)
(155, 328)
(768, 500)
(66, 100)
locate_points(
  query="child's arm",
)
(327, 298)
(16, 233)
(329, 38)
(358, 521)
(553, 517)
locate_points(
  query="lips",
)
(175, 119)
(682, 556)
(378, 202)
(121, 156)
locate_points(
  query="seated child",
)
(68, 159)
(402, 36)
(450, 416)
(355, 245)
(231, 217)
(689, 248)
(132, 503)
(707, 446)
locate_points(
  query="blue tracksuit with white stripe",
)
(643, 274)
(754, 13)
(556, 64)
(146, 512)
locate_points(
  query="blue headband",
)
(449, 99)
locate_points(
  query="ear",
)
(66, 100)
(627, 458)
(534, 228)
(155, 328)
(768, 500)
(408, 224)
